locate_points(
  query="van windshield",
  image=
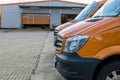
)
(110, 9)
(83, 14)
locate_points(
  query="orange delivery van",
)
(91, 52)
(84, 14)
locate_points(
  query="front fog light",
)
(75, 43)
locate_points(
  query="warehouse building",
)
(43, 14)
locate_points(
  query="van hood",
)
(83, 27)
(65, 25)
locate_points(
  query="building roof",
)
(53, 4)
(12, 2)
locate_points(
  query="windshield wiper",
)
(98, 16)
(73, 21)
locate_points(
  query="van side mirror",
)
(119, 15)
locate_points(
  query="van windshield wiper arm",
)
(98, 16)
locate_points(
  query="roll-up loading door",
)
(41, 19)
(33, 20)
(67, 17)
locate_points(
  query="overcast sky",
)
(80, 1)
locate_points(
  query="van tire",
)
(109, 70)
(71, 79)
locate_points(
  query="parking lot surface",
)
(27, 55)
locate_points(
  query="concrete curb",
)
(46, 70)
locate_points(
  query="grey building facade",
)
(16, 16)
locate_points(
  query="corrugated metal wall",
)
(0, 15)
(55, 17)
(41, 10)
(11, 16)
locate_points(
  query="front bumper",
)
(71, 66)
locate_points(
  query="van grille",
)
(58, 43)
(55, 32)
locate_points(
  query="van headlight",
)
(75, 43)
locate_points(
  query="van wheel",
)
(109, 71)
(72, 79)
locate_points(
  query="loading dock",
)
(44, 14)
